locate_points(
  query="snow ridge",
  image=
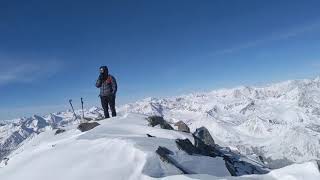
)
(278, 123)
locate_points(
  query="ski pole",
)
(82, 108)
(70, 101)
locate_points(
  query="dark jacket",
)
(108, 86)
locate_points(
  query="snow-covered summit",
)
(279, 123)
(119, 149)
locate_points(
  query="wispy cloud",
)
(289, 33)
(18, 71)
(316, 64)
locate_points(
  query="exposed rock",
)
(230, 168)
(261, 159)
(155, 120)
(182, 127)
(236, 164)
(150, 135)
(158, 120)
(205, 149)
(165, 153)
(187, 146)
(204, 135)
(204, 143)
(5, 160)
(165, 125)
(87, 126)
(238, 167)
(87, 119)
(59, 131)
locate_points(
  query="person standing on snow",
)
(108, 89)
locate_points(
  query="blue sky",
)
(50, 50)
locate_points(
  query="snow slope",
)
(119, 149)
(15, 132)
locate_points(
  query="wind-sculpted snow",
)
(117, 149)
(120, 149)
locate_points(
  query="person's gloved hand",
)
(101, 76)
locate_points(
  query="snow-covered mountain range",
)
(279, 123)
(14, 132)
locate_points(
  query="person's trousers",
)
(107, 101)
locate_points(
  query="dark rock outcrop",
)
(158, 120)
(87, 126)
(59, 131)
(238, 167)
(261, 159)
(182, 127)
(204, 142)
(165, 153)
(236, 164)
(150, 135)
(204, 135)
(231, 168)
(205, 149)
(187, 146)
